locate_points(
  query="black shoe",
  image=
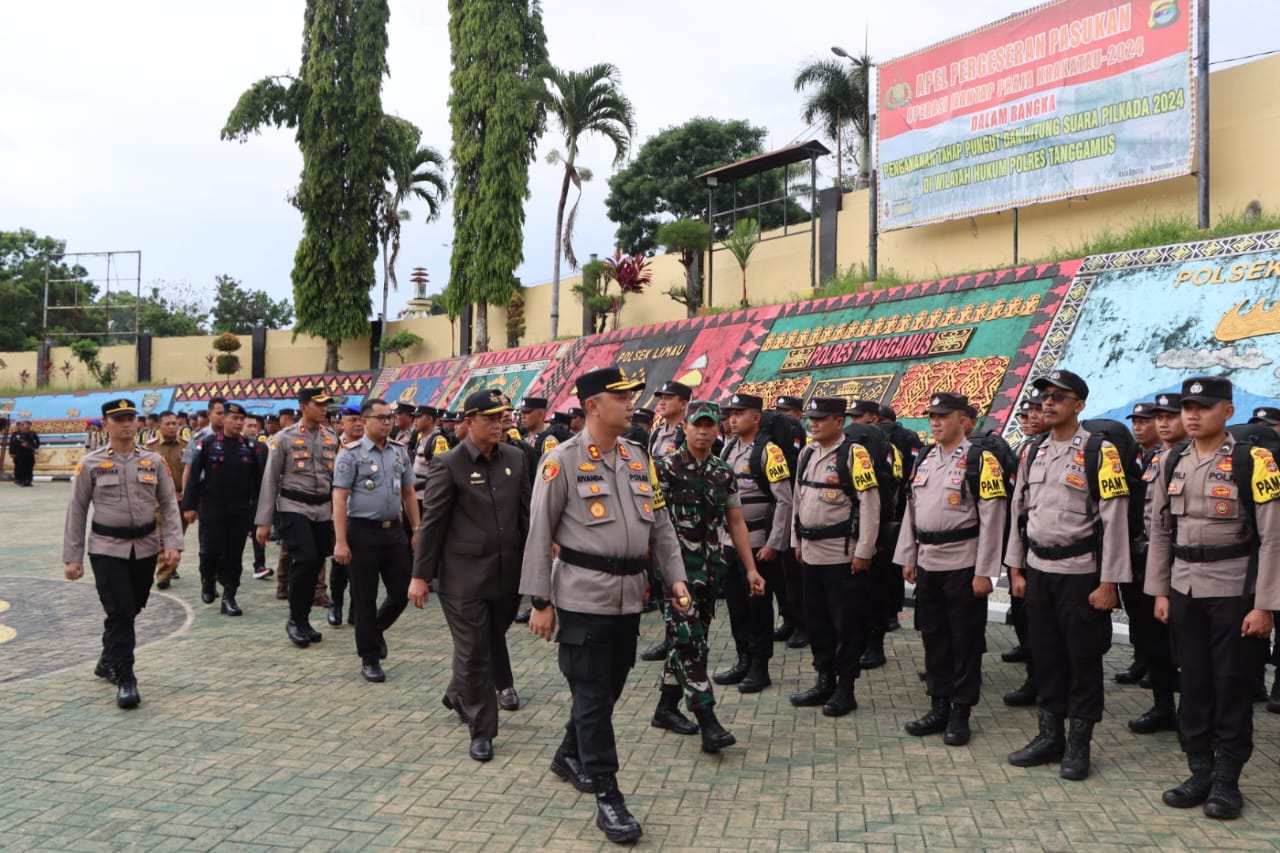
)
(1273, 702)
(798, 640)
(105, 670)
(1075, 759)
(372, 671)
(934, 721)
(127, 693)
(481, 749)
(842, 700)
(958, 733)
(208, 592)
(334, 615)
(923, 675)
(656, 652)
(1195, 789)
(508, 699)
(462, 715)
(523, 618)
(162, 584)
(1022, 697)
(1046, 747)
(817, 694)
(1224, 801)
(873, 657)
(714, 736)
(175, 576)
(735, 673)
(1017, 654)
(1146, 683)
(1132, 675)
(312, 634)
(229, 606)
(612, 816)
(667, 715)
(382, 649)
(757, 677)
(892, 625)
(568, 766)
(1161, 718)
(300, 637)
(783, 632)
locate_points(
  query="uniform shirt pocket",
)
(599, 508)
(1223, 499)
(1177, 497)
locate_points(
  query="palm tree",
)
(840, 96)
(581, 102)
(741, 243)
(412, 171)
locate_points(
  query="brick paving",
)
(243, 742)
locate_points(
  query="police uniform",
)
(767, 509)
(474, 524)
(667, 437)
(1025, 694)
(223, 485)
(125, 491)
(23, 444)
(1206, 575)
(641, 420)
(793, 629)
(374, 480)
(172, 452)
(604, 514)
(1062, 565)
(297, 487)
(952, 533)
(836, 598)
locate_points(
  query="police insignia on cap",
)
(1164, 401)
(936, 401)
(1260, 413)
(1055, 375)
(1196, 388)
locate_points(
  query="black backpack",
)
(990, 442)
(780, 429)
(889, 484)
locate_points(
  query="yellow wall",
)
(15, 363)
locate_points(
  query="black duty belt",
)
(758, 524)
(1063, 552)
(1212, 553)
(943, 537)
(124, 532)
(373, 522)
(757, 499)
(609, 565)
(304, 498)
(830, 531)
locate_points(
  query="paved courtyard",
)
(243, 742)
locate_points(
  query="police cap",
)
(1142, 410)
(739, 402)
(606, 379)
(1265, 415)
(1206, 390)
(1066, 380)
(944, 403)
(675, 389)
(821, 407)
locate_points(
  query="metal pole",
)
(711, 238)
(1015, 236)
(1202, 109)
(873, 261)
(839, 154)
(813, 220)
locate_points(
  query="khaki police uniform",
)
(665, 438)
(173, 453)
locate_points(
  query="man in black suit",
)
(475, 518)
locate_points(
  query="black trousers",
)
(377, 552)
(793, 589)
(952, 622)
(123, 588)
(505, 612)
(479, 628)
(339, 579)
(1219, 670)
(1150, 637)
(1068, 639)
(24, 466)
(308, 544)
(596, 653)
(259, 551)
(1018, 618)
(750, 617)
(223, 532)
(836, 609)
(886, 585)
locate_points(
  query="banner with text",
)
(1069, 98)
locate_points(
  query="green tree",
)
(837, 97)
(660, 183)
(581, 102)
(495, 45)
(238, 309)
(336, 107)
(689, 238)
(741, 243)
(400, 343)
(166, 310)
(23, 260)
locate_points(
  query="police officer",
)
(886, 579)
(1214, 569)
(352, 424)
(1032, 424)
(169, 444)
(834, 532)
(402, 430)
(125, 485)
(372, 484)
(533, 419)
(474, 524)
(1270, 417)
(208, 421)
(596, 500)
(1075, 553)
(949, 547)
(668, 434)
(1143, 427)
(297, 485)
(789, 405)
(701, 492)
(577, 419)
(792, 630)
(641, 420)
(223, 485)
(764, 489)
(23, 444)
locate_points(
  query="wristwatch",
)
(540, 603)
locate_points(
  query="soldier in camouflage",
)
(701, 495)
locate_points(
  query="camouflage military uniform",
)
(698, 495)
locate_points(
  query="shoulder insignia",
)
(593, 452)
(864, 472)
(1266, 476)
(550, 470)
(272, 444)
(991, 478)
(1111, 480)
(440, 445)
(79, 468)
(622, 450)
(587, 466)
(775, 467)
(152, 440)
(659, 499)
(550, 443)
(513, 434)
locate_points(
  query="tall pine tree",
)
(496, 45)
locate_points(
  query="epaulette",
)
(351, 445)
(397, 442)
(152, 440)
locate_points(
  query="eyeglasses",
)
(385, 417)
(1057, 396)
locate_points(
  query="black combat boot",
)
(714, 736)
(958, 733)
(1017, 654)
(1075, 759)
(335, 609)
(1046, 747)
(934, 720)
(817, 694)
(757, 677)
(127, 690)
(873, 657)
(1134, 673)
(842, 701)
(667, 715)
(1023, 696)
(611, 811)
(1195, 788)
(656, 652)
(297, 634)
(783, 632)
(105, 670)
(799, 639)
(1225, 801)
(1161, 718)
(208, 590)
(568, 766)
(735, 673)
(229, 606)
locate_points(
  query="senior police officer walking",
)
(125, 485)
(474, 523)
(297, 485)
(372, 484)
(1067, 556)
(595, 501)
(949, 548)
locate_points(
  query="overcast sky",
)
(110, 111)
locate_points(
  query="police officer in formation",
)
(668, 430)
(127, 486)
(596, 515)
(1032, 424)
(222, 487)
(171, 447)
(792, 630)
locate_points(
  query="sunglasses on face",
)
(1058, 396)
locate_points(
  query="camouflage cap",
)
(699, 409)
